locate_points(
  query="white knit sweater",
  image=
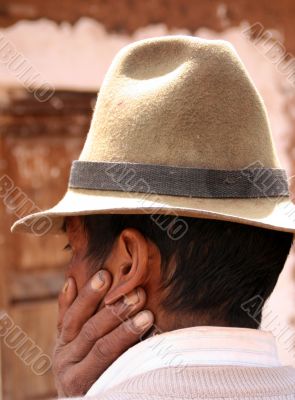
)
(199, 383)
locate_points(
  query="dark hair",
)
(219, 265)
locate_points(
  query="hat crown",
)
(183, 101)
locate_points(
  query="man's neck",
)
(167, 322)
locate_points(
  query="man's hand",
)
(89, 340)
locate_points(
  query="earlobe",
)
(128, 263)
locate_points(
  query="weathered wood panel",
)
(35, 284)
(39, 141)
(24, 378)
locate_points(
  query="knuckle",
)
(117, 310)
(69, 328)
(57, 363)
(66, 329)
(67, 321)
(59, 325)
(58, 329)
(57, 369)
(79, 302)
(72, 385)
(70, 380)
(89, 331)
(102, 350)
(122, 310)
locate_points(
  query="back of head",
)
(212, 275)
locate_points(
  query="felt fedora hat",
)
(178, 128)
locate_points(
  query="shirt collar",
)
(192, 346)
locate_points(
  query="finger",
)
(106, 320)
(65, 299)
(107, 349)
(85, 305)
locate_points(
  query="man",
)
(179, 224)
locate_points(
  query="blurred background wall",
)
(53, 57)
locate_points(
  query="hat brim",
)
(271, 213)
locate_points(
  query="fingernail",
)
(66, 285)
(143, 319)
(131, 298)
(98, 280)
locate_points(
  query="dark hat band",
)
(179, 181)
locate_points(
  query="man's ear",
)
(128, 263)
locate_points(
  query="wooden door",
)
(37, 144)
